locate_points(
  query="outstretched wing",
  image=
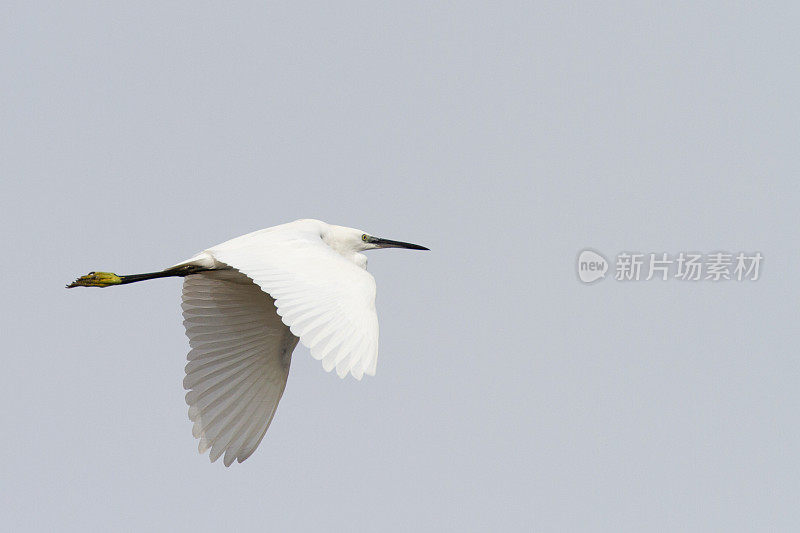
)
(238, 364)
(326, 300)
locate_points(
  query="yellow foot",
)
(96, 279)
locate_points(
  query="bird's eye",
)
(364, 237)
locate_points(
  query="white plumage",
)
(238, 363)
(246, 304)
(262, 292)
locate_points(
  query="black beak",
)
(386, 243)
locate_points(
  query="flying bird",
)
(246, 304)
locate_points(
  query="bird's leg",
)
(108, 279)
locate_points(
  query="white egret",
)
(247, 302)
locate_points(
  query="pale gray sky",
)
(506, 137)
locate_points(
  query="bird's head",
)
(355, 240)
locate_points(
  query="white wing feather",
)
(327, 300)
(238, 364)
(284, 284)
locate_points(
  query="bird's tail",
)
(109, 279)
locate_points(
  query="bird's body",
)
(246, 304)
